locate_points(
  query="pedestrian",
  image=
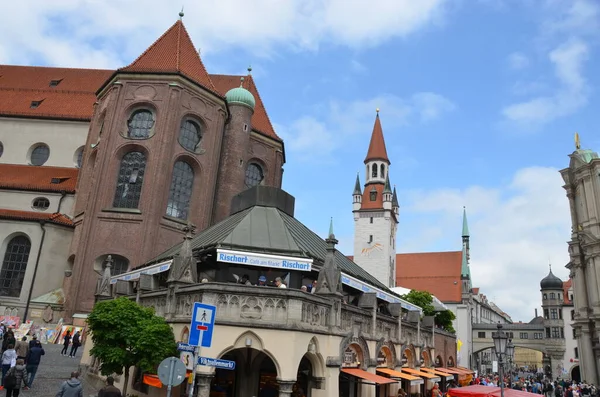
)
(9, 359)
(34, 340)
(109, 390)
(9, 339)
(75, 345)
(66, 342)
(33, 362)
(22, 348)
(14, 379)
(71, 387)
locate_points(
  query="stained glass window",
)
(189, 135)
(14, 266)
(140, 124)
(180, 192)
(130, 180)
(254, 175)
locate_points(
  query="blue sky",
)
(479, 102)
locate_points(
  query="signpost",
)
(201, 332)
(171, 372)
(217, 363)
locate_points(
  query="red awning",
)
(359, 373)
(487, 391)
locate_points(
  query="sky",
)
(479, 102)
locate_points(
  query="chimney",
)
(536, 313)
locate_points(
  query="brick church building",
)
(116, 162)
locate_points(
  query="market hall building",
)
(348, 335)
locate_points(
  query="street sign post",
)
(201, 332)
(217, 363)
(184, 347)
(171, 372)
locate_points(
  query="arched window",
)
(78, 157)
(374, 173)
(14, 266)
(140, 124)
(190, 135)
(120, 265)
(130, 180)
(552, 296)
(382, 170)
(180, 192)
(254, 175)
(373, 194)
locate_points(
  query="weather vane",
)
(577, 142)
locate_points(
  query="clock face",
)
(371, 249)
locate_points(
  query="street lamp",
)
(500, 342)
(510, 353)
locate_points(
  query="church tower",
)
(376, 213)
(465, 272)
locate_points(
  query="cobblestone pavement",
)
(53, 371)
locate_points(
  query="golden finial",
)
(377, 110)
(241, 81)
(577, 142)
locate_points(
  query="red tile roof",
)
(435, 272)
(38, 179)
(173, 52)
(260, 118)
(56, 218)
(367, 204)
(377, 150)
(72, 99)
(566, 286)
(475, 291)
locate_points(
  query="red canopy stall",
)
(487, 391)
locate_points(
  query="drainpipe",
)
(35, 269)
(62, 196)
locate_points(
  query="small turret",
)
(465, 234)
(387, 194)
(357, 195)
(395, 205)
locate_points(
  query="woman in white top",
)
(9, 359)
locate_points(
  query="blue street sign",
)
(203, 323)
(184, 347)
(215, 362)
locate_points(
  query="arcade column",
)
(203, 382)
(285, 387)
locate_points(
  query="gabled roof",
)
(435, 272)
(260, 118)
(56, 218)
(366, 203)
(268, 230)
(38, 179)
(377, 150)
(71, 99)
(173, 52)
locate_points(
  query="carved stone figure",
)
(104, 285)
(183, 270)
(330, 275)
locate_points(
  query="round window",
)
(39, 154)
(190, 136)
(41, 203)
(254, 175)
(78, 158)
(1, 149)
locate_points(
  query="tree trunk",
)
(125, 381)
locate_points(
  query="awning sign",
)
(264, 260)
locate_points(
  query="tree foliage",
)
(424, 300)
(126, 334)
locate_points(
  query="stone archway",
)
(575, 373)
(439, 361)
(358, 346)
(185, 334)
(425, 359)
(408, 357)
(451, 362)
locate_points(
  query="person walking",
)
(75, 344)
(14, 379)
(22, 348)
(33, 361)
(66, 342)
(109, 390)
(9, 359)
(9, 339)
(71, 387)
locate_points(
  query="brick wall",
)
(445, 346)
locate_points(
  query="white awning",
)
(135, 274)
(364, 287)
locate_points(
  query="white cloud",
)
(357, 67)
(313, 137)
(518, 60)
(111, 33)
(572, 93)
(516, 229)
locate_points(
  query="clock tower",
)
(376, 210)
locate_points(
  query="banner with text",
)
(264, 260)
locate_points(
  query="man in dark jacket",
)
(33, 361)
(71, 387)
(109, 390)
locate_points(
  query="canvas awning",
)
(467, 370)
(399, 375)
(487, 391)
(454, 371)
(459, 371)
(425, 375)
(374, 379)
(442, 374)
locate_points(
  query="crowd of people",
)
(539, 384)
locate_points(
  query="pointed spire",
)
(181, 14)
(464, 269)
(387, 189)
(395, 198)
(331, 235)
(357, 188)
(183, 269)
(377, 150)
(465, 225)
(331, 240)
(173, 52)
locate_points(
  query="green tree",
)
(126, 334)
(424, 300)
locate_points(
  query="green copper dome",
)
(586, 155)
(240, 96)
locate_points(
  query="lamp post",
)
(510, 353)
(500, 342)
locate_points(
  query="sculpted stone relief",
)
(251, 307)
(315, 315)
